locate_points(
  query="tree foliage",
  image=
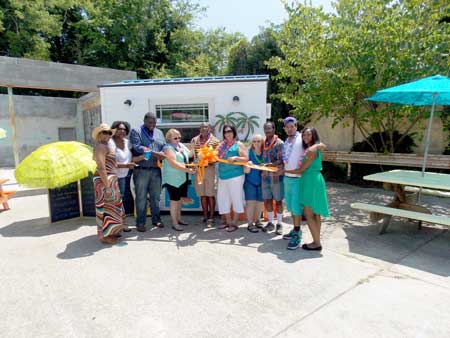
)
(207, 52)
(24, 26)
(251, 58)
(331, 62)
(152, 37)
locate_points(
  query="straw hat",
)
(102, 127)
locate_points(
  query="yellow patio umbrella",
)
(2, 133)
(55, 164)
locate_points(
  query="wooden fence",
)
(401, 160)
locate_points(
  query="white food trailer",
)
(183, 103)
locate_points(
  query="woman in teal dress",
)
(313, 194)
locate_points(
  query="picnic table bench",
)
(403, 205)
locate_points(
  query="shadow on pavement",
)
(278, 246)
(40, 227)
(403, 244)
(83, 247)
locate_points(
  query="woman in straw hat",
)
(109, 212)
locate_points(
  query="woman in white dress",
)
(125, 161)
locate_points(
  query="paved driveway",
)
(57, 280)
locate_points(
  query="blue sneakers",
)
(288, 236)
(294, 242)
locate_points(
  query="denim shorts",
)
(272, 188)
(252, 192)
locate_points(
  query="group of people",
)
(239, 181)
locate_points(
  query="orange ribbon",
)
(207, 155)
(253, 166)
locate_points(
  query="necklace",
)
(258, 158)
(207, 140)
(267, 147)
(223, 149)
(147, 132)
(288, 146)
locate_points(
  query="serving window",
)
(182, 113)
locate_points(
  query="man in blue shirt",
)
(147, 175)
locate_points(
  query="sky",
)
(246, 16)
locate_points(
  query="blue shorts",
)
(272, 188)
(292, 195)
(252, 192)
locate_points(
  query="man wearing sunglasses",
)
(147, 175)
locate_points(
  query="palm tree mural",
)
(238, 119)
(246, 122)
(222, 120)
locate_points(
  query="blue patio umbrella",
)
(430, 91)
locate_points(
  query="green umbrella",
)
(429, 91)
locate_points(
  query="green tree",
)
(258, 52)
(331, 63)
(217, 45)
(149, 36)
(156, 38)
(135, 35)
(26, 25)
(204, 53)
(237, 60)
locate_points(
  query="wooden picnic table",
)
(403, 205)
(413, 178)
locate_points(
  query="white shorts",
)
(230, 193)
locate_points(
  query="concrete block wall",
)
(340, 137)
(37, 121)
(26, 73)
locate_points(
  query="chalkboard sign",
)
(88, 196)
(64, 203)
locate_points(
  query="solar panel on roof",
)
(190, 80)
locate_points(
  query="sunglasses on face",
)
(256, 141)
(107, 133)
(228, 131)
(121, 129)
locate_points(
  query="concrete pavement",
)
(57, 280)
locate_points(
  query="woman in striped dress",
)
(109, 212)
